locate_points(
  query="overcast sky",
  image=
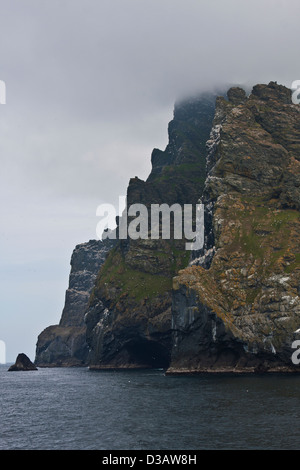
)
(91, 86)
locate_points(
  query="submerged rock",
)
(22, 363)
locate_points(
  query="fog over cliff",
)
(91, 86)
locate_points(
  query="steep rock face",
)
(237, 306)
(65, 344)
(129, 315)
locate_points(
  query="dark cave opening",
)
(148, 353)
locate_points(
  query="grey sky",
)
(90, 90)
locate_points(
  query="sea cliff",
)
(232, 306)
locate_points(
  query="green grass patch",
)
(133, 283)
(294, 265)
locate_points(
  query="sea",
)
(80, 409)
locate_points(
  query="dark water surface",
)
(81, 409)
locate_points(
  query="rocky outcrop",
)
(23, 363)
(237, 306)
(65, 344)
(234, 305)
(129, 315)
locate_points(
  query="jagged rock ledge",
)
(234, 371)
(115, 368)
